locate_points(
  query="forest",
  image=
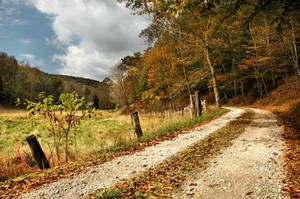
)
(222, 48)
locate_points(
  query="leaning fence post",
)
(136, 124)
(37, 152)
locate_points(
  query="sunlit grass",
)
(101, 132)
(105, 132)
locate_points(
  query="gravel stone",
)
(105, 175)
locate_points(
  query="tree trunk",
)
(66, 146)
(242, 88)
(192, 103)
(295, 52)
(212, 70)
(264, 84)
(259, 87)
(269, 52)
(37, 152)
(213, 76)
(235, 87)
(192, 106)
(225, 95)
(136, 125)
(203, 104)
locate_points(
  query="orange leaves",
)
(292, 154)
(163, 69)
(243, 67)
(253, 61)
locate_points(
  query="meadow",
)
(105, 131)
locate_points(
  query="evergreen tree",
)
(96, 102)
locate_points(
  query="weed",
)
(110, 194)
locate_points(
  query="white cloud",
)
(79, 62)
(28, 56)
(26, 41)
(31, 59)
(96, 34)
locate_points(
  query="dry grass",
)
(6, 111)
(94, 136)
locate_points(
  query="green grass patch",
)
(164, 131)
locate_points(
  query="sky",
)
(82, 38)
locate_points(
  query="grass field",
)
(107, 131)
(93, 134)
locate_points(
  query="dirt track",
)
(250, 168)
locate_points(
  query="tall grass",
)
(105, 132)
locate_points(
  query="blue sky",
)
(81, 38)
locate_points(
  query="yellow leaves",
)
(262, 59)
(133, 70)
(163, 66)
(253, 47)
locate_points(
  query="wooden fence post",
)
(192, 106)
(197, 104)
(37, 152)
(136, 124)
(203, 104)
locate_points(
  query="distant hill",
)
(24, 81)
(81, 80)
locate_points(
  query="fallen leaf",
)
(193, 184)
(248, 193)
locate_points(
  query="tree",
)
(70, 103)
(163, 73)
(95, 102)
(125, 74)
(201, 21)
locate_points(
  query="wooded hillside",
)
(23, 81)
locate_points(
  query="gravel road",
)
(250, 168)
(105, 175)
